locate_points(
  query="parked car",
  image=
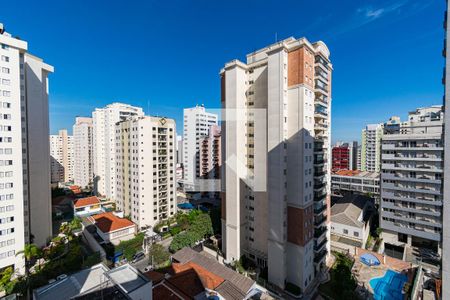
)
(138, 256)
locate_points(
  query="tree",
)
(379, 231)
(31, 251)
(158, 254)
(5, 278)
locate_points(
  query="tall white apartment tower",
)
(446, 187)
(83, 151)
(196, 125)
(25, 206)
(371, 147)
(276, 153)
(145, 169)
(104, 122)
(61, 157)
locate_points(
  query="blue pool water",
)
(388, 287)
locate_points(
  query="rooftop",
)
(108, 222)
(357, 173)
(86, 201)
(113, 284)
(348, 209)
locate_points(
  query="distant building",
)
(112, 228)
(196, 125)
(211, 160)
(366, 183)
(350, 221)
(104, 121)
(371, 147)
(61, 157)
(83, 164)
(340, 158)
(99, 282)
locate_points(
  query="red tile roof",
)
(209, 280)
(108, 222)
(86, 201)
(347, 172)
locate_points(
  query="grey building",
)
(411, 182)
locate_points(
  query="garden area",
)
(64, 254)
(127, 248)
(342, 284)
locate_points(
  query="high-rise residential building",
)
(196, 125)
(446, 187)
(340, 157)
(104, 122)
(211, 160)
(145, 169)
(61, 157)
(358, 158)
(276, 145)
(353, 155)
(411, 182)
(371, 147)
(25, 209)
(83, 152)
(179, 150)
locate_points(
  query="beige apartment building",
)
(61, 157)
(145, 169)
(276, 149)
(211, 160)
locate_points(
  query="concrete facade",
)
(104, 122)
(25, 211)
(276, 153)
(371, 148)
(83, 151)
(146, 169)
(61, 157)
(411, 180)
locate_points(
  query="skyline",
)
(181, 69)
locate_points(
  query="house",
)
(350, 221)
(99, 282)
(112, 228)
(197, 275)
(87, 206)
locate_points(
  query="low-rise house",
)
(87, 206)
(350, 221)
(356, 182)
(195, 275)
(99, 282)
(112, 228)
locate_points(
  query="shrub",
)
(158, 254)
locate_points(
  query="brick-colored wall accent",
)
(300, 67)
(300, 225)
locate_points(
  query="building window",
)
(345, 231)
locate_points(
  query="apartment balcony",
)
(416, 219)
(162, 131)
(406, 229)
(417, 168)
(319, 257)
(318, 247)
(427, 147)
(319, 186)
(418, 157)
(162, 145)
(318, 175)
(423, 190)
(162, 160)
(418, 199)
(320, 73)
(321, 100)
(320, 232)
(419, 179)
(417, 210)
(162, 138)
(319, 209)
(162, 152)
(320, 220)
(320, 196)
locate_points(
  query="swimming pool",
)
(388, 287)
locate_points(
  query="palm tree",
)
(31, 251)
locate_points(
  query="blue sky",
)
(166, 55)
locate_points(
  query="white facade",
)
(61, 157)
(371, 148)
(146, 169)
(411, 180)
(276, 148)
(104, 122)
(25, 208)
(83, 151)
(196, 125)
